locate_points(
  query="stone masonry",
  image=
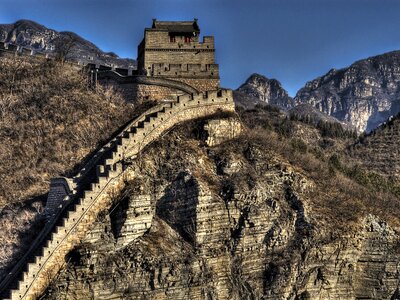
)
(94, 190)
(173, 50)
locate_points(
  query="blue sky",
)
(291, 40)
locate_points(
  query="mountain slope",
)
(364, 94)
(40, 38)
(266, 90)
(379, 151)
(252, 218)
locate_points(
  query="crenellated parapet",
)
(92, 190)
(174, 50)
(185, 70)
(10, 50)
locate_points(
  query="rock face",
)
(365, 94)
(266, 90)
(201, 223)
(39, 38)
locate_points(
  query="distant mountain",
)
(269, 91)
(365, 94)
(35, 36)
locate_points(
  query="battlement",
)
(185, 70)
(7, 49)
(158, 40)
(174, 50)
(93, 192)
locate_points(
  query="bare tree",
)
(65, 44)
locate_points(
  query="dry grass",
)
(340, 199)
(18, 223)
(49, 121)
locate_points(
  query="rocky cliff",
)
(236, 221)
(365, 94)
(209, 214)
(39, 38)
(269, 91)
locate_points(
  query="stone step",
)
(105, 170)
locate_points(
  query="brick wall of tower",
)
(157, 48)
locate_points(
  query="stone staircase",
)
(93, 188)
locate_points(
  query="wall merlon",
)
(127, 144)
(186, 70)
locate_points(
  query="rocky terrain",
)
(34, 36)
(288, 209)
(242, 220)
(266, 90)
(364, 94)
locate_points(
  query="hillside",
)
(294, 207)
(42, 39)
(379, 150)
(258, 216)
(364, 94)
(49, 122)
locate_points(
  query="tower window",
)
(172, 39)
(188, 39)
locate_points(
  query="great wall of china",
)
(184, 91)
(92, 190)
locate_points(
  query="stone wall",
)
(133, 92)
(96, 194)
(185, 70)
(60, 188)
(156, 48)
(202, 85)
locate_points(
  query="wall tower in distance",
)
(173, 50)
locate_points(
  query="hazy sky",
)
(291, 40)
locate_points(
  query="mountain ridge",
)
(35, 36)
(366, 93)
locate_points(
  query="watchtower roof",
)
(177, 26)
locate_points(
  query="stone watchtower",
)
(173, 50)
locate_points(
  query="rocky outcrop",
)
(269, 91)
(221, 130)
(94, 192)
(365, 94)
(225, 225)
(37, 37)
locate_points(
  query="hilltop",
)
(184, 195)
(32, 35)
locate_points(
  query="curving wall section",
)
(94, 188)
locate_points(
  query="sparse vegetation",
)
(344, 191)
(49, 122)
(326, 128)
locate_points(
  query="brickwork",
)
(202, 85)
(154, 92)
(72, 222)
(174, 50)
(199, 70)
